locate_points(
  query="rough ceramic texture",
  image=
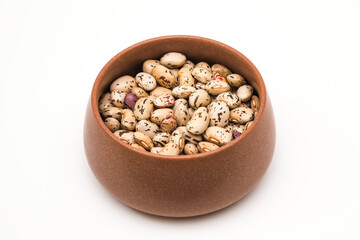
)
(179, 186)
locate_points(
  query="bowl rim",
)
(94, 102)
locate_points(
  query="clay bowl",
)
(179, 186)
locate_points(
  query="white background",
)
(307, 52)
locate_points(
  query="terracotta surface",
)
(179, 186)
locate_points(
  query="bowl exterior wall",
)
(179, 187)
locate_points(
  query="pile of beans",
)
(174, 107)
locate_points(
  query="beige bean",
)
(124, 84)
(183, 91)
(192, 138)
(169, 123)
(143, 108)
(113, 112)
(190, 149)
(199, 98)
(203, 65)
(219, 114)
(112, 124)
(241, 115)
(186, 78)
(143, 140)
(161, 139)
(125, 136)
(255, 103)
(224, 71)
(191, 111)
(148, 65)
(245, 92)
(158, 115)
(180, 101)
(178, 137)
(189, 64)
(202, 74)
(137, 146)
(128, 120)
(215, 87)
(176, 74)
(230, 98)
(105, 102)
(206, 146)
(173, 60)
(164, 77)
(146, 127)
(218, 135)
(247, 125)
(158, 91)
(139, 92)
(117, 98)
(235, 80)
(145, 81)
(200, 85)
(156, 150)
(164, 101)
(199, 121)
(181, 113)
(170, 149)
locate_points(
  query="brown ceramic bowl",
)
(186, 185)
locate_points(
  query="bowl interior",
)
(196, 49)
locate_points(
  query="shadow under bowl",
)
(186, 185)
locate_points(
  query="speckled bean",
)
(145, 81)
(186, 78)
(245, 92)
(206, 146)
(105, 102)
(156, 150)
(113, 112)
(118, 98)
(128, 120)
(230, 98)
(199, 121)
(215, 87)
(178, 137)
(219, 114)
(124, 84)
(173, 60)
(143, 140)
(192, 138)
(158, 91)
(255, 103)
(190, 149)
(224, 71)
(241, 115)
(181, 113)
(203, 65)
(218, 135)
(164, 77)
(183, 91)
(161, 139)
(112, 124)
(125, 136)
(202, 74)
(158, 115)
(148, 65)
(146, 127)
(199, 98)
(164, 101)
(235, 80)
(139, 92)
(169, 123)
(143, 108)
(189, 64)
